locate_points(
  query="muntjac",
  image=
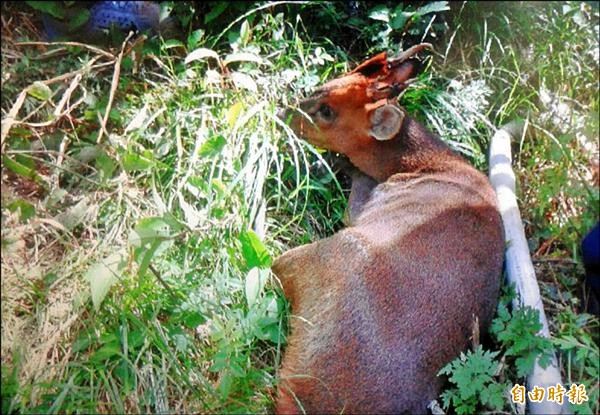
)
(381, 306)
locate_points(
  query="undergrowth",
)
(145, 194)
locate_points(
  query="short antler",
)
(407, 54)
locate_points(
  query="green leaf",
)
(79, 19)
(135, 339)
(125, 374)
(53, 8)
(83, 342)
(216, 11)
(135, 161)
(399, 20)
(105, 164)
(236, 369)
(172, 43)
(253, 250)
(473, 375)
(88, 153)
(243, 81)
(254, 284)
(20, 132)
(213, 146)
(26, 209)
(272, 333)
(150, 237)
(380, 12)
(201, 54)
(194, 38)
(233, 113)
(243, 57)
(147, 256)
(218, 187)
(103, 275)
(106, 352)
(220, 361)
(22, 170)
(524, 364)
(245, 32)
(40, 90)
(493, 395)
(225, 383)
(193, 319)
(433, 7)
(149, 230)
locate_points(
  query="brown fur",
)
(382, 305)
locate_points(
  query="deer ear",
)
(386, 122)
(374, 66)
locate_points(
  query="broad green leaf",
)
(255, 282)
(220, 361)
(149, 229)
(181, 341)
(79, 19)
(194, 38)
(201, 54)
(103, 275)
(381, 13)
(20, 132)
(233, 113)
(150, 237)
(125, 374)
(147, 256)
(225, 383)
(213, 146)
(26, 209)
(105, 164)
(106, 352)
(218, 187)
(399, 20)
(433, 7)
(253, 250)
(192, 215)
(216, 11)
(193, 319)
(138, 120)
(53, 8)
(172, 43)
(22, 170)
(272, 332)
(245, 32)
(40, 90)
(134, 161)
(243, 81)
(243, 57)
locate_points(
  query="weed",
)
(473, 376)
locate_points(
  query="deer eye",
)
(326, 113)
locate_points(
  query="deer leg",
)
(360, 193)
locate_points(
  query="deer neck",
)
(412, 150)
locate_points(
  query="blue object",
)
(125, 15)
(590, 250)
(122, 15)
